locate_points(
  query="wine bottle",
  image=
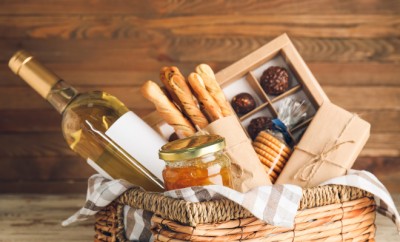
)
(99, 127)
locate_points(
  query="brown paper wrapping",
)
(247, 170)
(329, 147)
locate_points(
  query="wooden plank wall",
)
(352, 47)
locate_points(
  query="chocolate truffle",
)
(243, 103)
(275, 80)
(259, 124)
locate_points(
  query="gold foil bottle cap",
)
(23, 64)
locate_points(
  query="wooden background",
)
(352, 47)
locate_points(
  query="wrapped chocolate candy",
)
(274, 144)
(290, 113)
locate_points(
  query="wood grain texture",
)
(42, 169)
(182, 7)
(44, 187)
(387, 169)
(328, 74)
(168, 47)
(29, 99)
(37, 218)
(352, 47)
(125, 26)
(33, 145)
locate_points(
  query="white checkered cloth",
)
(276, 204)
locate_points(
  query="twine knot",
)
(308, 171)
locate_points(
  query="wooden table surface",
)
(38, 217)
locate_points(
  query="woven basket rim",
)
(330, 198)
(192, 213)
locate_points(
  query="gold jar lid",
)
(191, 147)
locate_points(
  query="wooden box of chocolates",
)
(248, 76)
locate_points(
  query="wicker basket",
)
(328, 213)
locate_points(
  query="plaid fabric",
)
(368, 182)
(137, 224)
(276, 204)
(101, 192)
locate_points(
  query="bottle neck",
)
(44, 81)
(60, 95)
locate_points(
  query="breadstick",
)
(189, 105)
(210, 106)
(213, 88)
(167, 110)
(178, 89)
(165, 75)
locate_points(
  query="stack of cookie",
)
(272, 152)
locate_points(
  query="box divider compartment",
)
(257, 87)
(287, 93)
(273, 110)
(256, 110)
(307, 79)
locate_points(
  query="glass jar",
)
(196, 161)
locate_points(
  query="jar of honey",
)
(196, 161)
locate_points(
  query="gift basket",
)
(255, 152)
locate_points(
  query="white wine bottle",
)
(99, 127)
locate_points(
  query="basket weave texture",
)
(326, 213)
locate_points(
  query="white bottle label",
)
(138, 139)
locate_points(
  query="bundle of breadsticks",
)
(199, 104)
(186, 111)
